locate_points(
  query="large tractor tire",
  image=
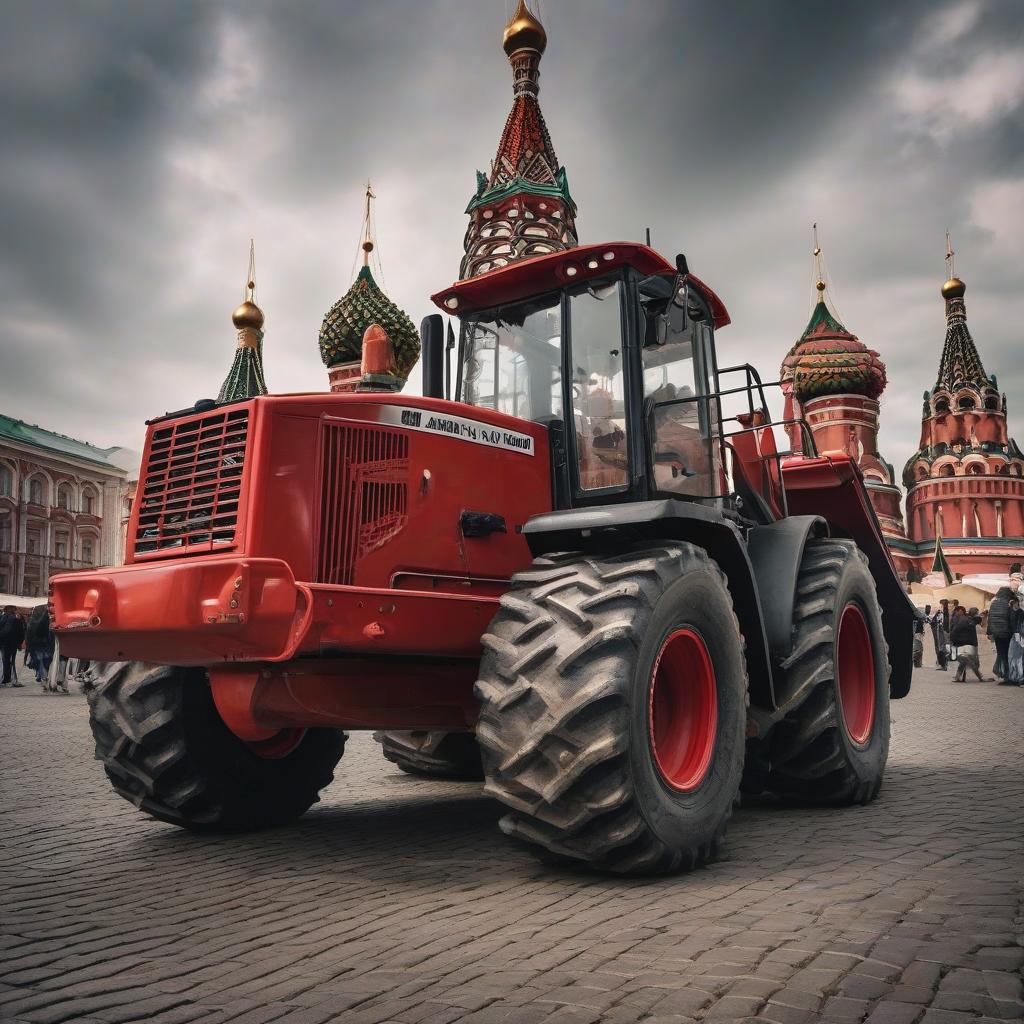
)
(166, 750)
(435, 755)
(833, 747)
(613, 709)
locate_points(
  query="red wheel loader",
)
(578, 576)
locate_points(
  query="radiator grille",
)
(191, 485)
(365, 496)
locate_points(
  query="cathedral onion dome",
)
(248, 314)
(245, 377)
(829, 360)
(954, 288)
(364, 304)
(524, 32)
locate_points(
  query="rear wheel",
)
(437, 755)
(613, 708)
(833, 747)
(166, 750)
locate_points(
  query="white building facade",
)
(64, 505)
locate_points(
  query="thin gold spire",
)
(248, 314)
(367, 243)
(249, 288)
(819, 270)
(953, 288)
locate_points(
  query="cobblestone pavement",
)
(398, 900)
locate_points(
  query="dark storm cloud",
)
(145, 143)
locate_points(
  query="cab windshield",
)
(512, 359)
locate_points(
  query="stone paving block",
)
(886, 1012)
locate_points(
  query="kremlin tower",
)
(833, 381)
(362, 307)
(523, 208)
(965, 484)
(245, 378)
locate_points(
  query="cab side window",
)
(684, 456)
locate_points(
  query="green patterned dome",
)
(341, 336)
(829, 360)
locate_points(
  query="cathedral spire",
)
(960, 363)
(523, 207)
(245, 378)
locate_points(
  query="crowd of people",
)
(30, 634)
(954, 631)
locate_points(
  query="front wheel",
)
(613, 708)
(166, 750)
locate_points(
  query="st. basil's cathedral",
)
(965, 483)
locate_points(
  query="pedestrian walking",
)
(12, 634)
(1015, 652)
(39, 641)
(939, 639)
(963, 641)
(920, 618)
(1000, 629)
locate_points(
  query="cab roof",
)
(541, 274)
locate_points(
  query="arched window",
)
(5, 533)
(922, 473)
(942, 406)
(966, 402)
(975, 469)
(89, 501)
(946, 470)
(992, 403)
(35, 491)
(89, 550)
(6, 482)
(63, 496)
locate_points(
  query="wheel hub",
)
(281, 744)
(855, 667)
(683, 710)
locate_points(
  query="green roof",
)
(60, 444)
(822, 316)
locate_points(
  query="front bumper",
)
(198, 612)
(217, 609)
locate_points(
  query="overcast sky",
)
(144, 143)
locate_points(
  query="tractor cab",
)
(612, 349)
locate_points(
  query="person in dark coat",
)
(1015, 673)
(920, 618)
(39, 641)
(939, 637)
(12, 633)
(1000, 629)
(963, 638)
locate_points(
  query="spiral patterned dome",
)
(829, 360)
(341, 336)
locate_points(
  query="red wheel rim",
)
(281, 744)
(855, 665)
(683, 710)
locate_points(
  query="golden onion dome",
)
(954, 288)
(248, 314)
(524, 31)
